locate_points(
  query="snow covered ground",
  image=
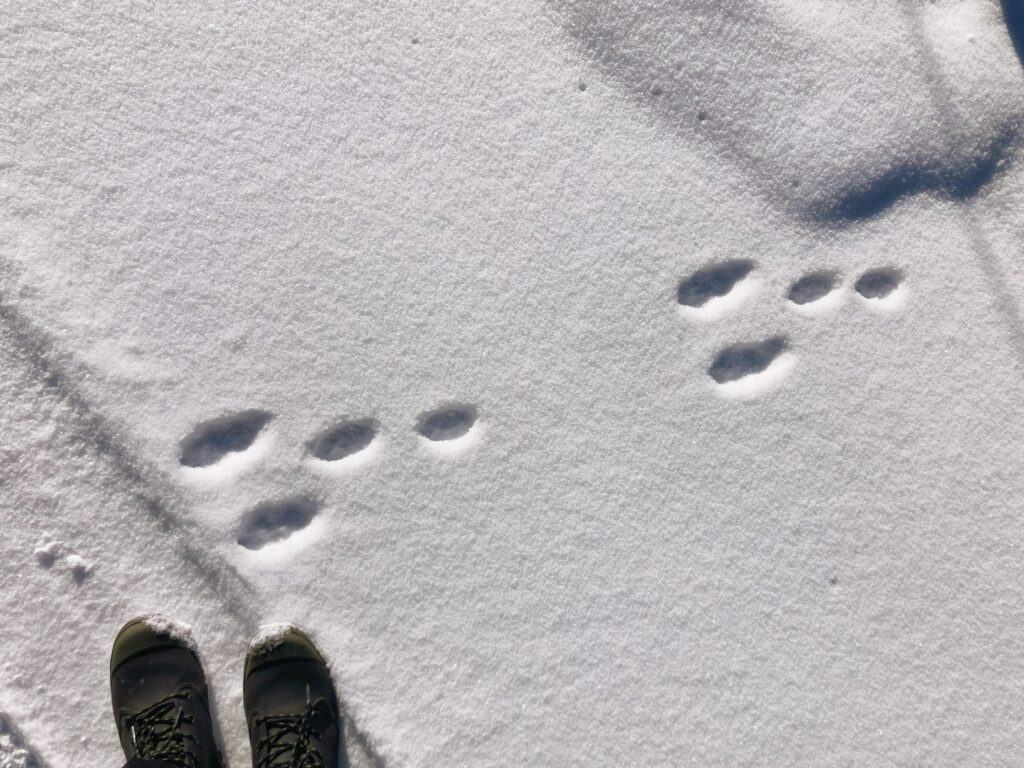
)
(618, 383)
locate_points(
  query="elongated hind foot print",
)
(815, 293)
(274, 530)
(747, 370)
(345, 446)
(714, 290)
(221, 449)
(344, 440)
(209, 443)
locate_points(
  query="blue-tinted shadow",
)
(1013, 12)
(958, 182)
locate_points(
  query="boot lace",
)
(289, 742)
(157, 735)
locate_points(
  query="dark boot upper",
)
(290, 703)
(160, 698)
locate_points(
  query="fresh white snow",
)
(599, 490)
(270, 634)
(166, 626)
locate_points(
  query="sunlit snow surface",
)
(620, 383)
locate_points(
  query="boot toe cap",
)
(145, 634)
(278, 644)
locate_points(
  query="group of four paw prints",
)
(214, 440)
(697, 291)
(267, 523)
(275, 521)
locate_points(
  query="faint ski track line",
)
(1007, 305)
(92, 428)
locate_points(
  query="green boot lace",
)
(156, 732)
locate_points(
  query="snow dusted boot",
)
(290, 704)
(160, 699)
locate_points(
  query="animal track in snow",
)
(344, 446)
(274, 522)
(814, 293)
(881, 289)
(812, 287)
(741, 360)
(343, 440)
(449, 429)
(712, 282)
(748, 369)
(877, 283)
(216, 439)
(447, 423)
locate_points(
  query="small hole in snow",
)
(582, 87)
(877, 283)
(712, 282)
(447, 423)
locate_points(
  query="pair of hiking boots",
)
(162, 705)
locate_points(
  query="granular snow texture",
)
(618, 383)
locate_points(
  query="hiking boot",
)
(290, 704)
(158, 689)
